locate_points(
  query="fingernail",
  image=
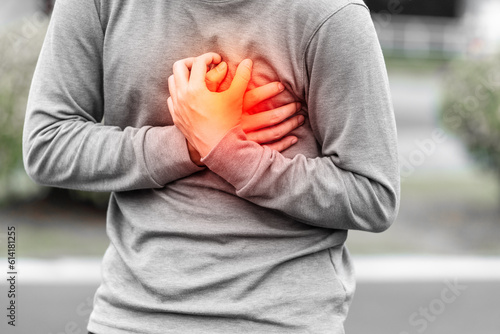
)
(281, 87)
(298, 106)
(294, 140)
(301, 120)
(221, 67)
(248, 63)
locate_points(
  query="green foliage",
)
(20, 45)
(19, 48)
(471, 107)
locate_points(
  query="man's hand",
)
(204, 117)
(269, 126)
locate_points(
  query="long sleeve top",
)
(254, 242)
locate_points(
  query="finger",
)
(199, 69)
(215, 76)
(268, 118)
(259, 94)
(241, 78)
(282, 144)
(170, 105)
(276, 132)
(171, 88)
(175, 116)
(181, 70)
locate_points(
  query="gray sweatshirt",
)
(254, 242)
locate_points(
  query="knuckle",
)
(210, 77)
(290, 109)
(201, 59)
(275, 134)
(250, 99)
(297, 122)
(177, 64)
(288, 127)
(183, 94)
(190, 90)
(275, 117)
(258, 138)
(278, 146)
(251, 137)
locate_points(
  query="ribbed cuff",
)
(166, 154)
(234, 158)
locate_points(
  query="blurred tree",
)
(471, 107)
(20, 45)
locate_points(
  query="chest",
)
(144, 39)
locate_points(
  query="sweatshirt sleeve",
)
(64, 142)
(355, 182)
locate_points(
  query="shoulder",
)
(310, 15)
(322, 9)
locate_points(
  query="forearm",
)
(64, 142)
(89, 156)
(313, 191)
(354, 181)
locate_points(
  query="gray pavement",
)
(430, 308)
(378, 308)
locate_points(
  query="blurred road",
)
(378, 308)
(411, 308)
(395, 295)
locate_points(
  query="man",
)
(211, 232)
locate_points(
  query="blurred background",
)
(443, 62)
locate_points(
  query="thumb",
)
(241, 78)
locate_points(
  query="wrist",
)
(224, 141)
(210, 142)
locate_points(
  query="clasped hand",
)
(205, 115)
